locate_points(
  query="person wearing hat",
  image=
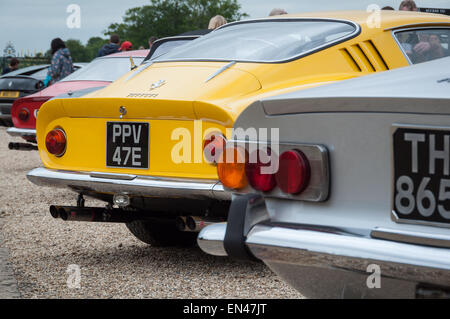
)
(126, 46)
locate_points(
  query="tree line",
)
(161, 18)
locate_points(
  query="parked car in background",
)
(138, 144)
(164, 45)
(97, 74)
(20, 83)
(358, 205)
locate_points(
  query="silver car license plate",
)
(421, 189)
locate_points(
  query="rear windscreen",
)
(263, 41)
(104, 69)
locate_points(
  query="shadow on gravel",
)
(134, 257)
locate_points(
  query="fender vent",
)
(377, 59)
(351, 61)
(365, 57)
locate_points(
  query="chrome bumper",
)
(131, 184)
(320, 248)
(323, 264)
(14, 131)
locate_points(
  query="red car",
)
(97, 74)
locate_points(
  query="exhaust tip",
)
(54, 211)
(11, 145)
(63, 214)
(180, 223)
(190, 223)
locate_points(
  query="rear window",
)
(263, 41)
(165, 47)
(103, 69)
(425, 44)
(41, 75)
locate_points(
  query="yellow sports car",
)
(147, 144)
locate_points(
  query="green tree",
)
(164, 18)
(77, 51)
(93, 45)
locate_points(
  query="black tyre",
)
(161, 234)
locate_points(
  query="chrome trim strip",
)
(140, 68)
(411, 237)
(404, 105)
(398, 220)
(222, 69)
(124, 177)
(14, 131)
(319, 248)
(211, 238)
(418, 25)
(139, 185)
(401, 48)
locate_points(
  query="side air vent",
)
(364, 57)
(350, 60)
(377, 59)
(361, 58)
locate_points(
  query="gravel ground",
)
(113, 264)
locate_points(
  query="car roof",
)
(388, 18)
(134, 53)
(26, 70)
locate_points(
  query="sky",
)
(31, 24)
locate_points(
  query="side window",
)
(424, 44)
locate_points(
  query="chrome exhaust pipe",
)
(196, 223)
(180, 222)
(97, 214)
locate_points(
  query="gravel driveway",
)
(112, 263)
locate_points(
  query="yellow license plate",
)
(9, 94)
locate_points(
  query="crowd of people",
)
(417, 47)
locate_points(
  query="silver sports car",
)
(354, 200)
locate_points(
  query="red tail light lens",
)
(293, 172)
(23, 115)
(55, 142)
(256, 178)
(22, 119)
(213, 147)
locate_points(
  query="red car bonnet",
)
(28, 106)
(32, 103)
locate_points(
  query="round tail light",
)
(23, 115)
(293, 172)
(232, 172)
(213, 146)
(253, 170)
(55, 141)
